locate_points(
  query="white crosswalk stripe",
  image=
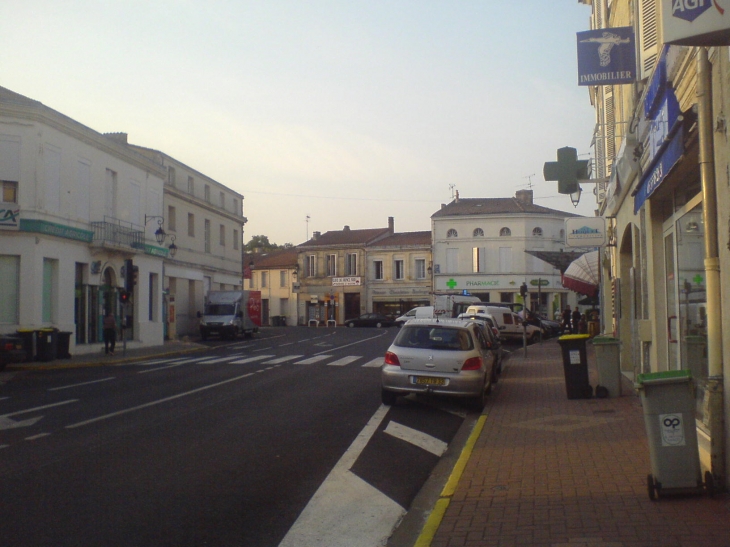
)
(312, 360)
(282, 359)
(375, 363)
(218, 360)
(344, 361)
(250, 359)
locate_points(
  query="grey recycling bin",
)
(608, 365)
(669, 415)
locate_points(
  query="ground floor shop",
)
(397, 301)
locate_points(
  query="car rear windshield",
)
(429, 337)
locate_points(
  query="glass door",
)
(672, 311)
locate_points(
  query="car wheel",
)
(351, 325)
(378, 325)
(388, 397)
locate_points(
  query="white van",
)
(509, 324)
(422, 312)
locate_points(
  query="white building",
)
(479, 246)
(75, 207)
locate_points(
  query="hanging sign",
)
(696, 22)
(606, 56)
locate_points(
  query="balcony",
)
(115, 233)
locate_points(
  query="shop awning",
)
(583, 276)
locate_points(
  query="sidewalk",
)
(553, 472)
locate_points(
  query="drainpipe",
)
(714, 391)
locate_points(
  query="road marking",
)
(312, 360)
(159, 368)
(218, 360)
(7, 423)
(344, 361)
(34, 437)
(375, 363)
(282, 359)
(159, 401)
(154, 362)
(355, 343)
(81, 384)
(332, 516)
(4, 446)
(181, 361)
(250, 359)
(262, 349)
(418, 438)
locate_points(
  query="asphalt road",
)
(281, 439)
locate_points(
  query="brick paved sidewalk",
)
(549, 471)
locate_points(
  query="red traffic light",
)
(124, 297)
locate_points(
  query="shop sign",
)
(659, 170)
(539, 282)
(313, 298)
(606, 56)
(9, 216)
(58, 230)
(696, 22)
(585, 232)
(346, 281)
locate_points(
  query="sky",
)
(321, 113)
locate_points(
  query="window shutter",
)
(648, 37)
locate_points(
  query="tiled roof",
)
(286, 258)
(405, 239)
(495, 206)
(347, 237)
(12, 97)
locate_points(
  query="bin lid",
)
(664, 377)
(605, 340)
(574, 337)
(25, 330)
(46, 330)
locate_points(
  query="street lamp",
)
(575, 197)
(172, 248)
(160, 234)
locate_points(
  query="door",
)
(672, 311)
(352, 305)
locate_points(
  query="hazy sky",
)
(345, 111)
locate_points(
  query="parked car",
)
(11, 350)
(510, 324)
(422, 312)
(442, 357)
(371, 320)
(492, 335)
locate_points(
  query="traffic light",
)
(135, 271)
(130, 275)
(568, 170)
(123, 297)
(523, 290)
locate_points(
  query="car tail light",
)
(391, 359)
(475, 363)
(9, 346)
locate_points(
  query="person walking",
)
(110, 333)
(576, 320)
(566, 321)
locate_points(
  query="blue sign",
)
(659, 170)
(606, 56)
(689, 10)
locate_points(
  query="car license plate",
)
(429, 381)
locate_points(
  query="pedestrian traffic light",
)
(123, 297)
(568, 170)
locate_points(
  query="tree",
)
(261, 244)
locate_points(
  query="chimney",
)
(121, 138)
(391, 225)
(524, 196)
(346, 228)
(456, 199)
(315, 236)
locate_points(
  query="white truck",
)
(452, 305)
(229, 314)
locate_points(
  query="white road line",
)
(81, 384)
(218, 360)
(250, 359)
(159, 401)
(312, 360)
(41, 407)
(159, 368)
(155, 361)
(281, 359)
(375, 363)
(419, 438)
(344, 361)
(4, 445)
(34, 437)
(355, 343)
(346, 510)
(263, 349)
(181, 361)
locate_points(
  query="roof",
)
(495, 206)
(285, 258)
(347, 237)
(405, 239)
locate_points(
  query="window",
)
(223, 200)
(420, 268)
(351, 264)
(110, 192)
(171, 218)
(478, 232)
(9, 289)
(537, 232)
(206, 235)
(452, 233)
(235, 206)
(562, 235)
(191, 224)
(282, 278)
(331, 265)
(222, 235)
(8, 191)
(235, 239)
(377, 269)
(264, 280)
(479, 261)
(399, 272)
(505, 232)
(311, 266)
(505, 259)
(171, 176)
(206, 195)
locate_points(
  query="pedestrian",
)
(583, 325)
(110, 333)
(566, 320)
(576, 320)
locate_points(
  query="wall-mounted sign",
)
(346, 281)
(696, 22)
(585, 232)
(606, 56)
(9, 216)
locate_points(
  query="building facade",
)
(275, 274)
(479, 246)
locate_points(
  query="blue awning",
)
(659, 169)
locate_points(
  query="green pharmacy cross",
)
(451, 284)
(568, 170)
(698, 279)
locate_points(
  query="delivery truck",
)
(230, 314)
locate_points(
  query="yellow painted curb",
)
(434, 520)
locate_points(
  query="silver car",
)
(439, 356)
